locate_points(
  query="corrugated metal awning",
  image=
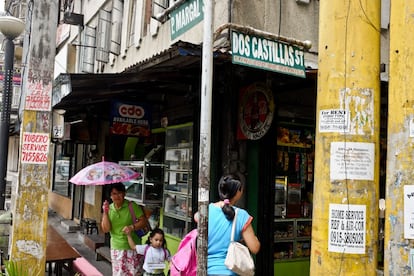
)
(172, 70)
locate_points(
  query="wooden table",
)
(59, 252)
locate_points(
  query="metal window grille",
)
(159, 6)
(116, 29)
(103, 36)
(13, 156)
(88, 50)
(16, 97)
(18, 9)
(131, 22)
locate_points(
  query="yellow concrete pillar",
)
(28, 237)
(399, 212)
(345, 200)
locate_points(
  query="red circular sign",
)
(256, 111)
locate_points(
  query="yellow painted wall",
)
(61, 205)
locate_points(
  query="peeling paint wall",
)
(347, 140)
(399, 249)
(28, 241)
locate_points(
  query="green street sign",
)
(258, 52)
(186, 16)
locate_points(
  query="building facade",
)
(148, 54)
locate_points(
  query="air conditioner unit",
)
(73, 18)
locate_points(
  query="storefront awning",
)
(175, 71)
(171, 71)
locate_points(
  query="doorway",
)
(79, 190)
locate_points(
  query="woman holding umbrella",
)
(115, 220)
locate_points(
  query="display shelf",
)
(176, 216)
(174, 192)
(147, 189)
(280, 196)
(292, 145)
(178, 180)
(292, 238)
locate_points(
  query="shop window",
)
(293, 191)
(13, 156)
(103, 36)
(88, 50)
(18, 9)
(129, 25)
(61, 172)
(16, 97)
(131, 22)
(159, 6)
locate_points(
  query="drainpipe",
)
(399, 217)
(345, 199)
(205, 137)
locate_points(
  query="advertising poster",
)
(411, 127)
(130, 119)
(347, 223)
(409, 211)
(334, 120)
(90, 194)
(256, 111)
(352, 160)
(38, 96)
(35, 148)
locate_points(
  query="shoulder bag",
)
(143, 231)
(238, 257)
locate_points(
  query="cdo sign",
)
(130, 119)
(267, 54)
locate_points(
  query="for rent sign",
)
(267, 54)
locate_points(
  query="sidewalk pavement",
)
(75, 239)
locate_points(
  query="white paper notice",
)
(334, 120)
(90, 194)
(409, 211)
(412, 127)
(352, 160)
(347, 225)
